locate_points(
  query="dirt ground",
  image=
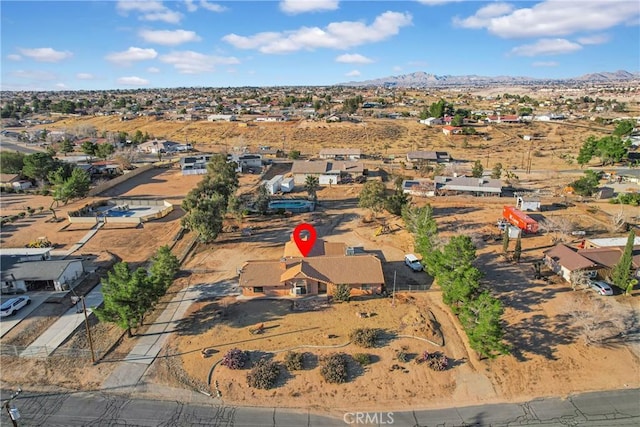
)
(550, 350)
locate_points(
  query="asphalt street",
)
(611, 408)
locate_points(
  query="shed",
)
(287, 185)
(605, 193)
(273, 185)
(528, 203)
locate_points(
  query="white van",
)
(413, 262)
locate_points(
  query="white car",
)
(11, 306)
(602, 288)
(413, 262)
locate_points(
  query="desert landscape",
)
(554, 349)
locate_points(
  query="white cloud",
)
(149, 11)
(301, 6)
(85, 76)
(14, 57)
(61, 86)
(46, 54)
(132, 81)
(557, 18)
(169, 38)
(438, 2)
(396, 68)
(353, 58)
(336, 35)
(483, 16)
(34, 75)
(191, 7)
(153, 70)
(212, 7)
(545, 64)
(131, 55)
(189, 62)
(353, 73)
(594, 39)
(546, 47)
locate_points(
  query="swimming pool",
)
(292, 205)
(117, 213)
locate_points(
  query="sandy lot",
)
(549, 353)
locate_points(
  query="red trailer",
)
(521, 220)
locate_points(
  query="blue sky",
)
(86, 45)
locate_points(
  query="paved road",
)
(602, 409)
(10, 144)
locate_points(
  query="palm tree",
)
(311, 184)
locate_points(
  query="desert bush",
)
(235, 359)
(264, 374)
(22, 214)
(294, 361)
(334, 368)
(364, 337)
(342, 293)
(402, 355)
(362, 358)
(436, 361)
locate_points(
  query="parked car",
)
(602, 288)
(413, 262)
(11, 306)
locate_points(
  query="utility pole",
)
(14, 415)
(393, 295)
(86, 324)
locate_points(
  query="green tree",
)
(396, 202)
(612, 149)
(206, 217)
(342, 293)
(311, 185)
(66, 146)
(261, 202)
(496, 172)
(372, 196)
(517, 252)
(294, 154)
(38, 165)
(587, 185)
(137, 138)
(477, 169)
(419, 221)
(164, 266)
(621, 273)
(437, 109)
(481, 320)
(458, 120)
(11, 162)
(587, 151)
(89, 148)
(121, 292)
(624, 128)
(72, 187)
(105, 150)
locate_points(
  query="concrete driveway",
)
(8, 323)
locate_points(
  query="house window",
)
(258, 289)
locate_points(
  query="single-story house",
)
(326, 171)
(22, 276)
(509, 118)
(428, 156)
(221, 118)
(609, 242)
(476, 186)
(271, 118)
(418, 187)
(431, 121)
(563, 261)
(608, 257)
(340, 153)
(451, 130)
(156, 146)
(247, 160)
(8, 179)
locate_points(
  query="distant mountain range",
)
(422, 79)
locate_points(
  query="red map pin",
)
(304, 245)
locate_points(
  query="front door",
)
(322, 288)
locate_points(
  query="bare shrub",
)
(595, 321)
(294, 361)
(364, 337)
(264, 374)
(559, 227)
(235, 359)
(618, 221)
(334, 368)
